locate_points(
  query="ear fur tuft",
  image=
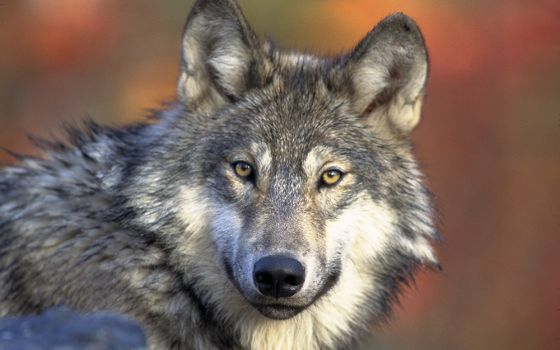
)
(388, 72)
(218, 49)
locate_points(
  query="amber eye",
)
(331, 177)
(243, 170)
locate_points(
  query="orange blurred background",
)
(489, 141)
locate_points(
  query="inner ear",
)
(387, 93)
(387, 73)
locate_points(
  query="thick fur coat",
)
(265, 153)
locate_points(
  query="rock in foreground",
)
(64, 329)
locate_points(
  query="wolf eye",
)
(243, 170)
(331, 177)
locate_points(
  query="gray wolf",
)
(276, 204)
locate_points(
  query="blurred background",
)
(489, 140)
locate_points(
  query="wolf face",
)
(301, 183)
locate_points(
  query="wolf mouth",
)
(278, 311)
(282, 311)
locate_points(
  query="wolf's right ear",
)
(387, 74)
(218, 49)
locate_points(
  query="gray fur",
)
(151, 221)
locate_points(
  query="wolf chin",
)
(275, 205)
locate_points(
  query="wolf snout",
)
(278, 276)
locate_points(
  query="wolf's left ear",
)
(387, 73)
(217, 52)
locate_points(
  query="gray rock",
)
(64, 329)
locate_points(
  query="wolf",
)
(276, 204)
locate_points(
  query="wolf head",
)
(290, 176)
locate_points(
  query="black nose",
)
(278, 276)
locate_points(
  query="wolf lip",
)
(277, 311)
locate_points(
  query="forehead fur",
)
(294, 98)
(302, 71)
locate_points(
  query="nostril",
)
(292, 280)
(278, 276)
(264, 278)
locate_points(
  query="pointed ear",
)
(218, 49)
(387, 72)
